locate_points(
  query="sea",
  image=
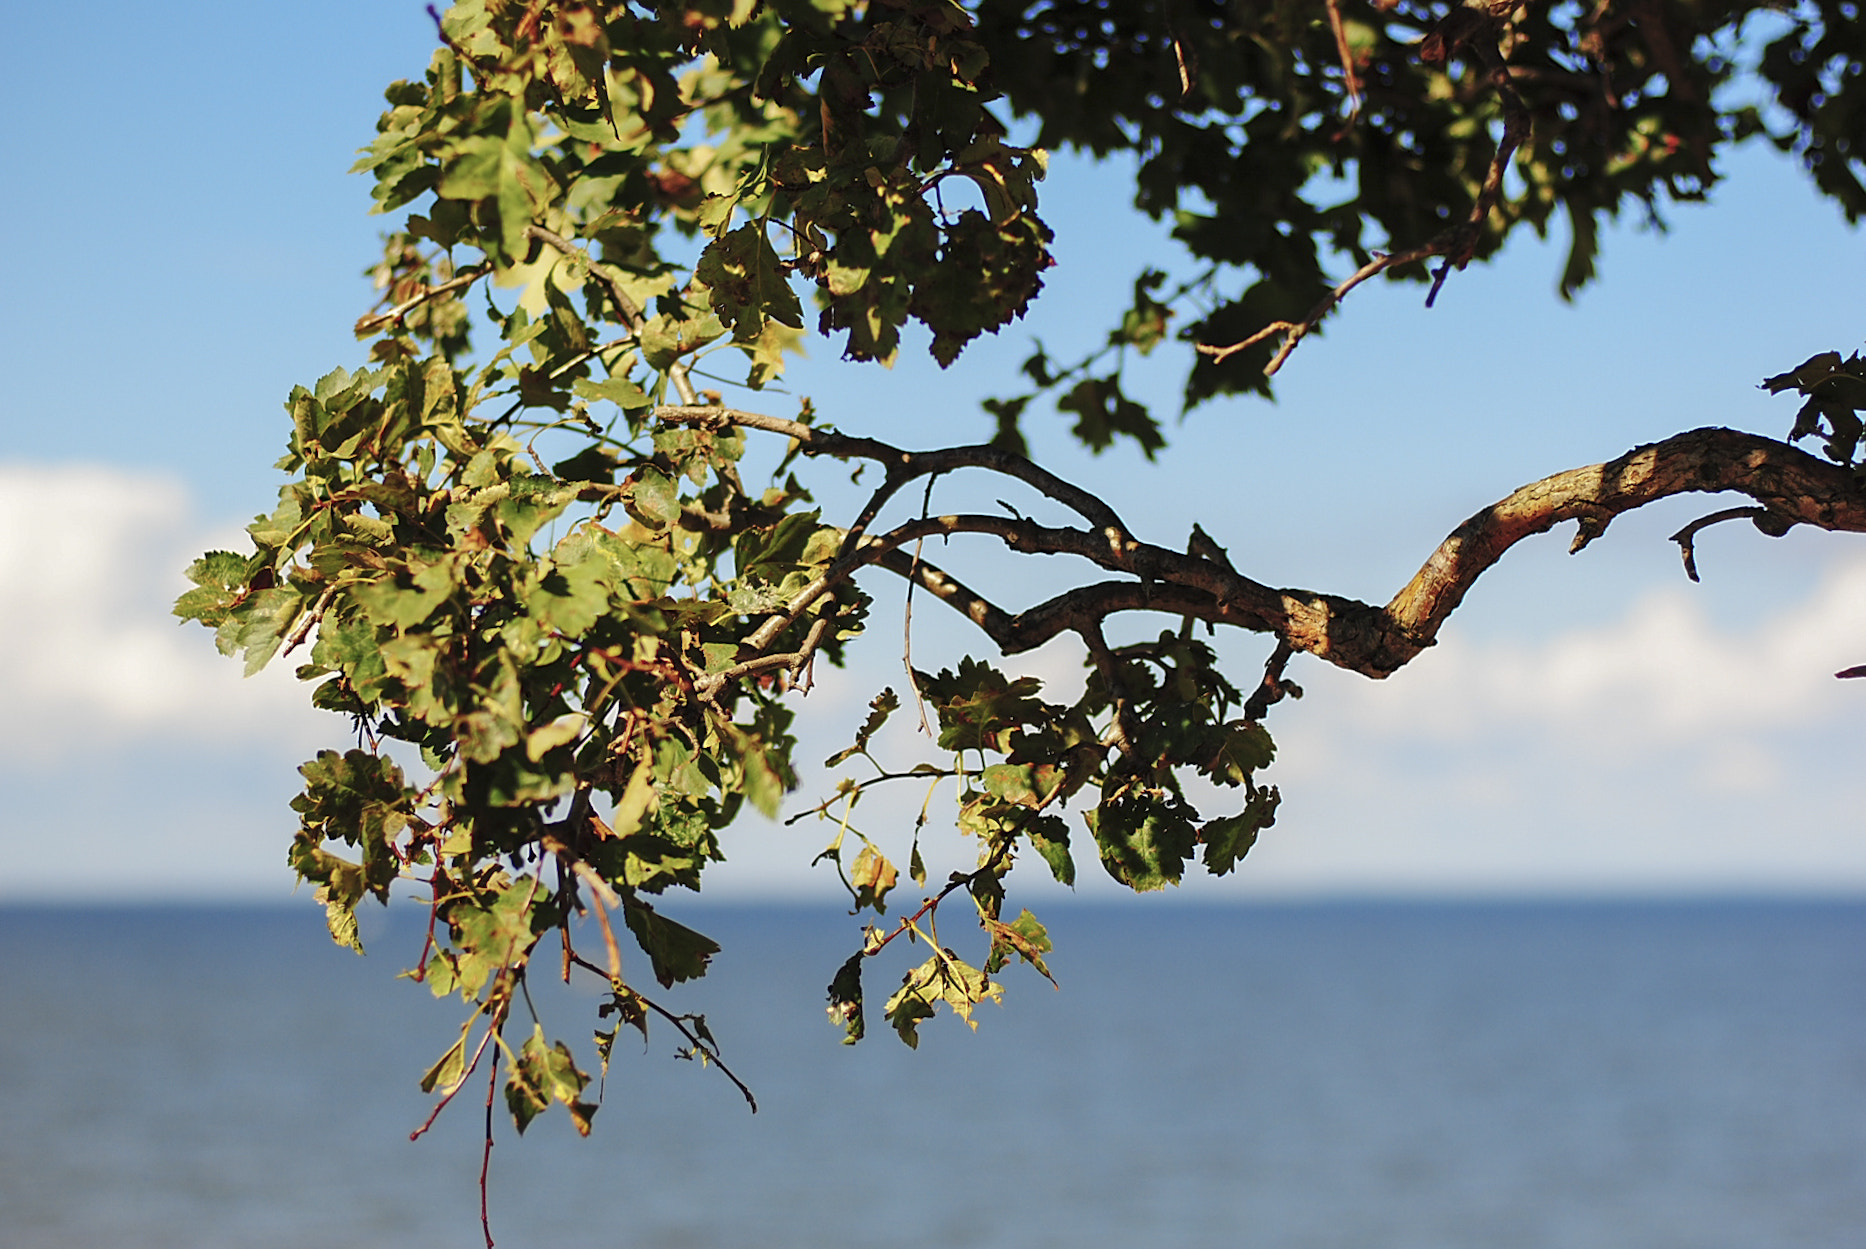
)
(1343, 1075)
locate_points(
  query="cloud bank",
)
(91, 558)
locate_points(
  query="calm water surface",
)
(1689, 1076)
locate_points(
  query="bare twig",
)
(375, 321)
(907, 616)
(679, 1023)
(459, 1084)
(305, 623)
(1352, 79)
(1771, 523)
(1125, 735)
(904, 465)
(602, 896)
(485, 1157)
(1296, 331)
(1273, 689)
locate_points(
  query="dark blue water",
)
(1366, 1076)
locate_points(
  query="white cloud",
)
(91, 559)
(1665, 674)
(1667, 750)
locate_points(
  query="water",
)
(1277, 1077)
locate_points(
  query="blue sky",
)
(186, 247)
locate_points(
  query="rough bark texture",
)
(1792, 486)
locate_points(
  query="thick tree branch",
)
(1792, 487)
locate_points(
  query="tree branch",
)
(375, 321)
(902, 466)
(1792, 486)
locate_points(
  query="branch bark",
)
(1792, 486)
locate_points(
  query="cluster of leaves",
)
(1834, 393)
(572, 620)
(560, 623)
(1151, 714)
(1274, 145)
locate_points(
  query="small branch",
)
(1273, 688)
(1126, 735)
(907, 616)
(1296, 331)
(393, 316)
(679, 1023)
(618, 295)
(601, 894)
(957, 880)
(305, 623)
(1457, 244)
(448, 1096)
(1767, 521)
(802, 672)
(485, 1157)
(904, 465)
(1352, 79)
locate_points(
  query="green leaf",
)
(1229, 838)
(1103, 413)
(449, 1069)
(409, 597)
(979, 707)
(911, 1003)
(545, 1073)
(1049, 836)
(746, 283)
(872, 876)
(1245, 749)
(1023, 937)
(653, 498)
(488, 938)
(675, 951)
(845, 999)
(880, 707)
(1145, 839)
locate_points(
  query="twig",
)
(680, 1024)
(1298, 330)
(1126, 735)
(1273, 688)
(600, 893)
(905, 465)
(485, 1157)
(907, 616)
(302, 629)
(466, 277)
(1457, 244)
(1686, 538)
(492, 1027)
(1352, 79)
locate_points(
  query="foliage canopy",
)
(519, 543)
